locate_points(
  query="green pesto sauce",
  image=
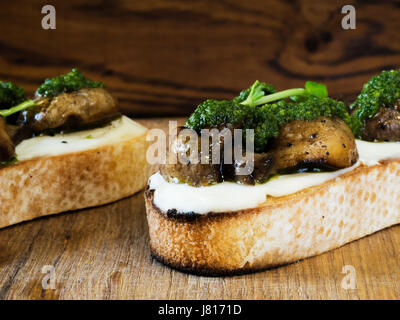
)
(382, 90)
(69, 82)
(10, 95)
(265, 119)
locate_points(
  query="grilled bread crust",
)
(283, 229)
(48, 185)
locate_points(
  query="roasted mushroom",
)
(185, 164)
(384, 126)
(264, 167)
(320, 142)
(74, 110)
(199, 173)
(7, 149)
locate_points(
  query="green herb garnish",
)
(252, 95)
(22, 106)
(257, 96)
(12, 99)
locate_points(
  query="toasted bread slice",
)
(51, 184)
(281, 230)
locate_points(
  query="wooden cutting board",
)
(103, 253)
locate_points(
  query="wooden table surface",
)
(103, 253)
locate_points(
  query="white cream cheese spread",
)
(118, 130)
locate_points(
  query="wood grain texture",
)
(103, 253)
(162, 57)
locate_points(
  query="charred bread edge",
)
(49, 185)
(193, 220)
(208, 272)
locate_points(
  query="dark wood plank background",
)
(164, 57)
